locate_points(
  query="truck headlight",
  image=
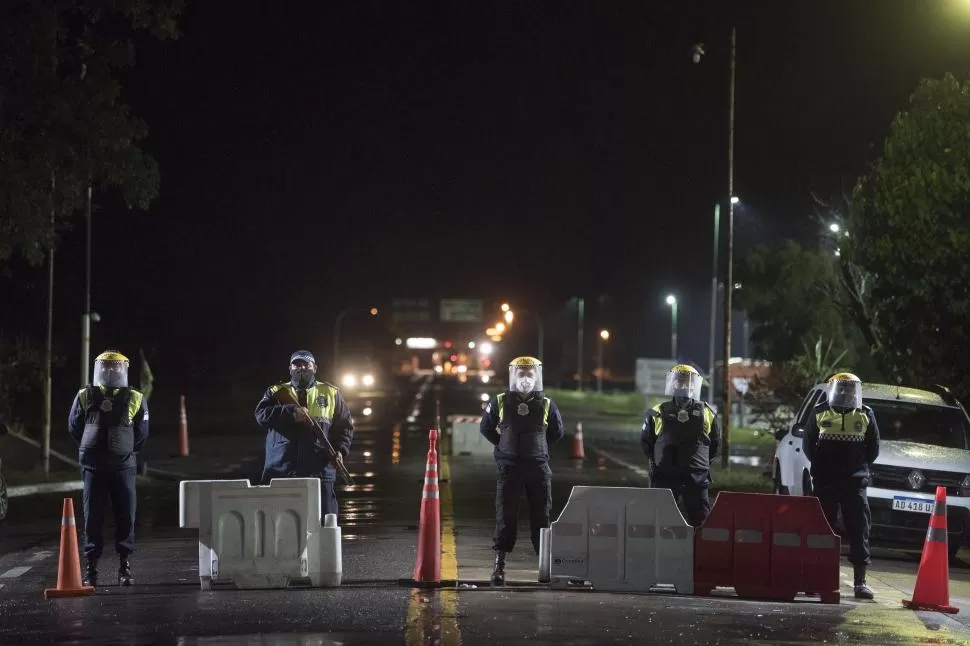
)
(349, 381)
(965, 486)
(367, 380)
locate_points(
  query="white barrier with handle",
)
(466, 436)
(253, 537)
(622, 539)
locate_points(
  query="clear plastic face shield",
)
(845, 393)
(110, 373)
(683, 384)
(525, 379)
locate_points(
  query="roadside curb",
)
(45, 487)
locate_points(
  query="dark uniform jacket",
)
(521, 427)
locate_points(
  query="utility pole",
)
(729, 274)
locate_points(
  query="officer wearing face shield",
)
(521, 424)
(292, 448)
(680, 438)
(109, 421)
(841, 440)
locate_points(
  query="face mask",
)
(302, 377)
(525, 384)
(680, 401)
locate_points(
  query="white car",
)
(924, 442)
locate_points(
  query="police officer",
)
(680, 438)
(109, 421)
(841, 440)
(521, 424)
(292, 447)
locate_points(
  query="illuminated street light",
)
(471, 345)
(671, 299)
(604, 334)
(485, 349)
(735, 199)
(509, 316)
(834, 227)
(505, 307)
(373, 311)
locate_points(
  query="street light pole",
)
(86, 316)
(579, 348)
(729, 273)
(713, 324)
(45, 450)
(604, 335)
(672, 302)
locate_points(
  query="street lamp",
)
(604, 337)
(505, 307)
(834, 227)
(672, 302)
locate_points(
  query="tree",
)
(793, 297)
(64, 124)
(909, 240)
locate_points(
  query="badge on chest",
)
(106, 406)
(322, 401)
(523, 409)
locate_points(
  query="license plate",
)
(917, 505)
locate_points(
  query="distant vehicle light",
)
(485, 348)
(421, 343)
(485, 379)
(367, 411)
(485, 397)
(349, 381)
(462, 368)
(439, 369)
(367, 380)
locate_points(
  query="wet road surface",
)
(379, 522)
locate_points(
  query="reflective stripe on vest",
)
(546, 402)
(320, 398)
(839, 427)
(658, 420)
(134, 400)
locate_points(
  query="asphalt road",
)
(379, 519)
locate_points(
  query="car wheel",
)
(806, 484)
(779, 489)
(4, 500)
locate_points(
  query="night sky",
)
(315, 155)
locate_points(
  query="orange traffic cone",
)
(933, 577)
(579, 453)
(427, 568)
(183, 430)
(69, 564)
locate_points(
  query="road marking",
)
(640, 471)
(424, 622)
(2, 585)
(14, 572)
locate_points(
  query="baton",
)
(321, 436)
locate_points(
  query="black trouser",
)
(855, 515)
(536, 479)
(100, 487)
(697, 503)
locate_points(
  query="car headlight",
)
(368, 411)
(965, 486)
(486, 397)
(349, 381)
(367, 380)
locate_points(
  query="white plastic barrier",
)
(622, 539)
(261, 537)
(466, 439)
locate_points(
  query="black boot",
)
(91, 573)
(124, 571)
(498, 573)
(862, 591)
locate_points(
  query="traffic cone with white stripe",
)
(579, 452)
(427, 567)
(933, 576)
(69, 564)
